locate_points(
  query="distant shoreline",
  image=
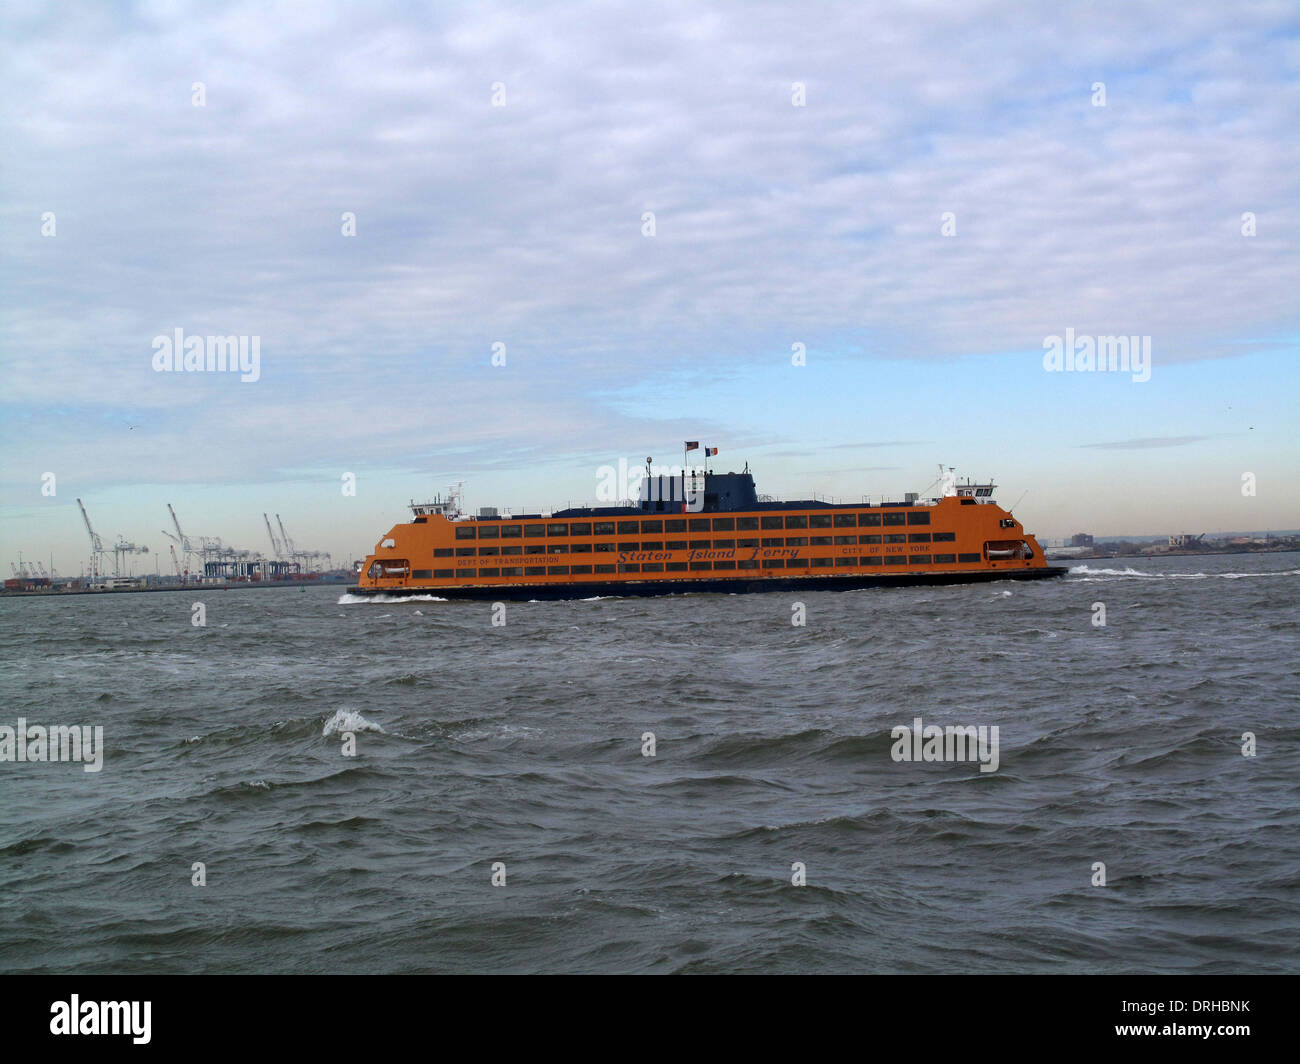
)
(258, 586)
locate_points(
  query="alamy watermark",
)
(1098, 354)
(650, 483)
(61, 742)
(179, 353)
(929, 742)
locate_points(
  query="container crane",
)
(96, 545)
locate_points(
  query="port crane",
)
(96, 545)
(120, 550)
(277, 548)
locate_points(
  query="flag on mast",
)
(692, 445)
(709, 452)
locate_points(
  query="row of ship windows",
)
(682, 567)
(693, 524)
(698, 544)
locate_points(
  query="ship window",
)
(701, 566)
(824, 563)
(421, 521)
(512, 570)
(604, 548)
(918, 517)
(868, 539)
(652, 544)
(465, 574)
(557, 570)
(774, 563)
(699, 524)
(968, 502)
(841, 541)
(724, 524)
(773, 541)
(653, 567)
(557, 530)
(749, 563)
(581, 529)
(746, 543)
(511, 531)
(488, 551)
(581, 548)
(532, 531)
(442, 552)
(443, 574)
(423, 574)
(896, 537)
(920, 559)
(895, 559)
(898, 518)
(773, 522)
(465, 552)
(944, 559)
(796, 521)
(701, 544)
(724, 565)
(676, 544)
(846, 520)
(845, 562)
(746, 524)
(651, 526)
(489, 572)
(945, 537)
(798, 541)
(868, 520)
(966, 558)
(535, 548)
(625, 527)
(820, 541)
(676, 567)
(628, 546)
(869, 560)
(512, 550)
(677, 525)
(557, 548)
(724, 544)
(818, 521)
(534, 570)
(918, 537)
(623, 568)
(489, 532)
(580, 570)
(464, 531)
(605, 568)
(604, 528)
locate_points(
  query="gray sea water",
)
(522, 746)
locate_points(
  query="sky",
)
(832, 240)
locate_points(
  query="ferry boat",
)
(703, 532)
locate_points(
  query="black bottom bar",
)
(708, 586)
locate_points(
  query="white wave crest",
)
(1087, 571)
(349, 720)
(348, 599)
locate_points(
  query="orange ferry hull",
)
(641, 588)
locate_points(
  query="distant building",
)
(1081, 539)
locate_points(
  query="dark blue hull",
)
(734, 586)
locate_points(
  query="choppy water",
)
(522, 744)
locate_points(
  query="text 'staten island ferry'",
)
(704, 532)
